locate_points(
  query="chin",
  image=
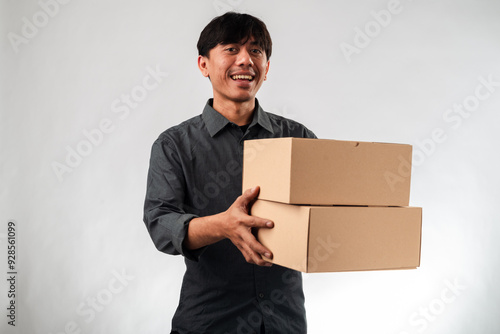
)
(243, 98)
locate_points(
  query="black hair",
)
(234, 28)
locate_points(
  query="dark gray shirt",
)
(196, 170)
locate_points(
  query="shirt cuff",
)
(178, 242)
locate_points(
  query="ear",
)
(203, 65)
(267, 70)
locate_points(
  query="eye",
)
(256, 51)
(231, 49)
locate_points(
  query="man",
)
(193, 205)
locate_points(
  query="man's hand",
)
(236, 225)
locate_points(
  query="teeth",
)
(242, 77)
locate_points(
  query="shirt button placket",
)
(261, 293)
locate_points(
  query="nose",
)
(244, 58)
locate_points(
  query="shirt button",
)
(261, 295)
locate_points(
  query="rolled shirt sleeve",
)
(164, 216)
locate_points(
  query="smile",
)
(242, 77)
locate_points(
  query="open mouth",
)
(242, 77)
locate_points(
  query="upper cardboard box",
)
(328, 172)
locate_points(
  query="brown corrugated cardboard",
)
(341, 238)
(328, 172)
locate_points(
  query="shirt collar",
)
(215, 122)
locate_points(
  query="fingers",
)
(244, 202)
(253, 251)
(243, 238)
(256, 251)
(257, 222)
(239, 228)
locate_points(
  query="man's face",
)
(236, 70)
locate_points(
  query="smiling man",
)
(194, 203)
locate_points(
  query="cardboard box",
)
(341, 238)
(328, 172)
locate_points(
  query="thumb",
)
(250, 195)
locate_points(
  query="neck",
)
(239, 113)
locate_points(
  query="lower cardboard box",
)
(341, 238)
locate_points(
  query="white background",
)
(77, 232)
